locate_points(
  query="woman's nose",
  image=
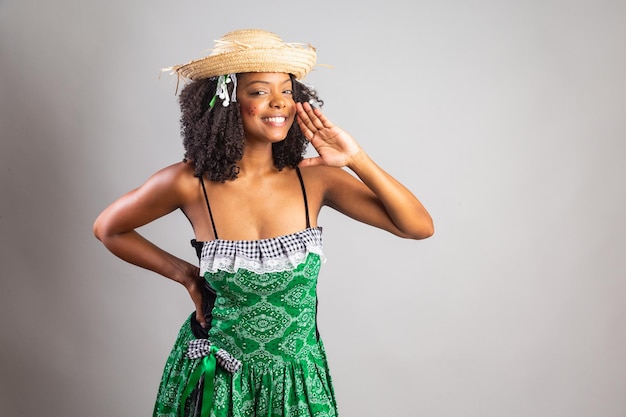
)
(278, 101)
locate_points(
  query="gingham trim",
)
(266, 255)
(199, 348)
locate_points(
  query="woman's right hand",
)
(194, 284)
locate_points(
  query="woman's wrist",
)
(187, 275)
(358, 161)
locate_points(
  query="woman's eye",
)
(288, 91)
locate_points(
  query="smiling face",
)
(267, 106)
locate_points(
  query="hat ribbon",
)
(222, 90)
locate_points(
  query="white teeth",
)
(275, 119)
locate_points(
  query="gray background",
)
(505, 117)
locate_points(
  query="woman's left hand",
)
(335, 146)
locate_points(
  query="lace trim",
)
(276, 254)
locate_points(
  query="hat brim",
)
(296, 60)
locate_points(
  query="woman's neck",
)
(257, 160)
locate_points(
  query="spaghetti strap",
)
(306, 203)
(206, 198)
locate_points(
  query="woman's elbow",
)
(97, 230)
(100, 228)
(420, 231)
(428, 231)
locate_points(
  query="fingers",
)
(200, 312)
(200, 315)
(200, 318)
(195, 290)
(304, 128)
(311, 120)
(319, 120)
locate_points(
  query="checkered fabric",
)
(200, 348)
(280, 253)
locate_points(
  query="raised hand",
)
(334, 145)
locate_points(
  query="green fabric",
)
(268, 321)
(205, 370)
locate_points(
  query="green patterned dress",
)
(263, 313)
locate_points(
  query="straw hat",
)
(250, 50)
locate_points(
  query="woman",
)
(252, 346)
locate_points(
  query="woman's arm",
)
(378, 199)
(115, 227)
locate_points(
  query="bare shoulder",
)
(176, 172)
(179, 176)
(175, 183)
(163, 192)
